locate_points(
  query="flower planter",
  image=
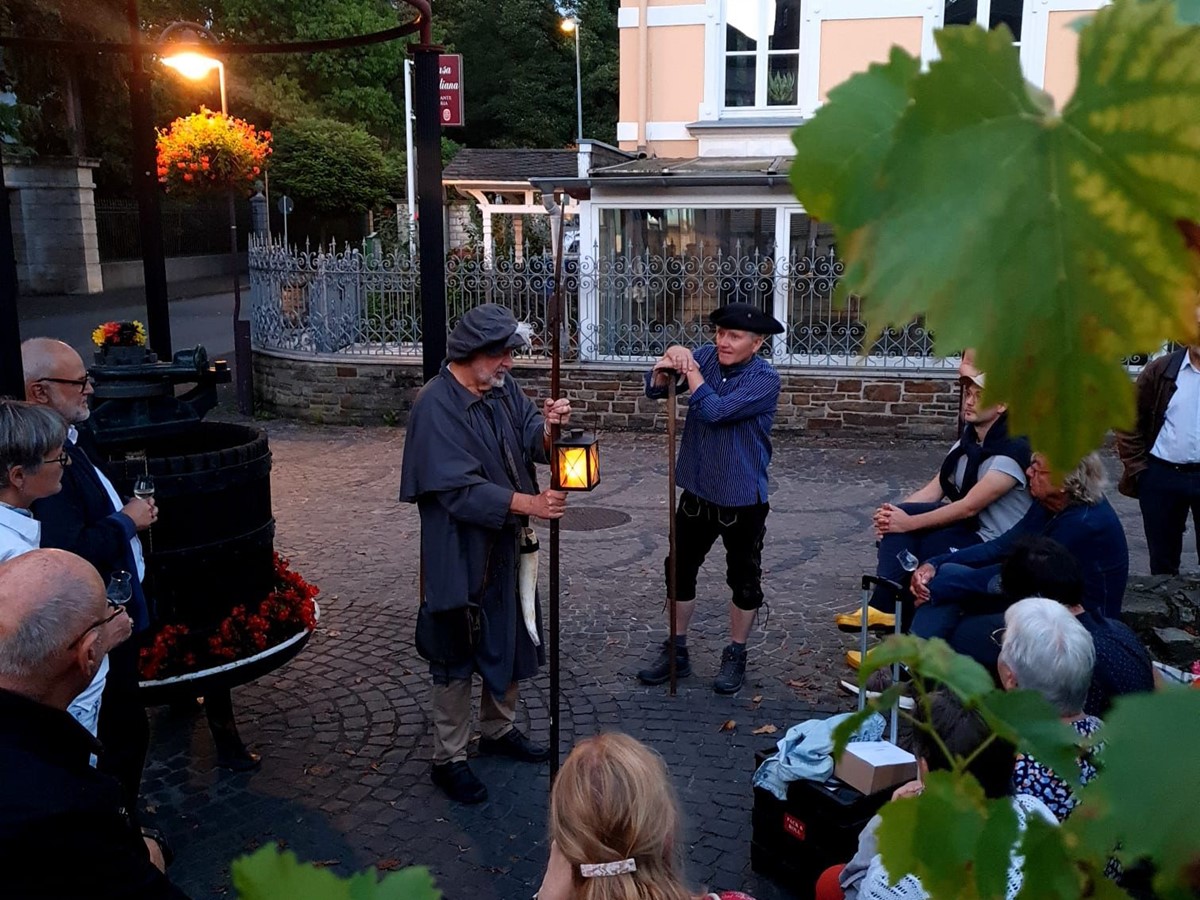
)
(123, 356)
(228, 675)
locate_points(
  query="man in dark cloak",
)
(472, 441)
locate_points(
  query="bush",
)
(330, 167)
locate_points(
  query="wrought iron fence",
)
(189, 228)
(355, 301)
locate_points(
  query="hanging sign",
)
(450, 92)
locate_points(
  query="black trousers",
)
(698, 524)
(1166, 494)
(123, 728)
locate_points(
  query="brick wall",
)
(373, 392)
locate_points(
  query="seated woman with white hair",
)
(1046, 650)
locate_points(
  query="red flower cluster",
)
(209, 149)
(286, 611)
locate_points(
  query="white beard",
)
(497, 381)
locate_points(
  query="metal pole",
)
(671, 559)
(12, 381)
(242, 358)
(410, 161)
(555, 318)
(429, 193)
(145, 183)
(578, 88)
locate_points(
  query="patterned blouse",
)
(1031, 777)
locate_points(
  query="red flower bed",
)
(286, 611)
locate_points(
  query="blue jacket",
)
(1092, 534)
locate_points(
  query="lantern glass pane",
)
(594, 465)
(572, 468)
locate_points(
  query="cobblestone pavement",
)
(343, 729)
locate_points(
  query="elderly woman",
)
(1073, 511)
(1046, 649)
(32, 460)
(31, 467)
(614, 827)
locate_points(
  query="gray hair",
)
(1086, 482)
(40, 357)
(28, 431)
(27, 651)
(1049, 652)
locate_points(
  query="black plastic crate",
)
(795, 840)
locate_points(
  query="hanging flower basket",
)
(250, 642)
(209, 150)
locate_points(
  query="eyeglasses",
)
(62, 459)
(80, 383)
(998, 637)
(99, 623)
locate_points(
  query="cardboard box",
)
(871, 766)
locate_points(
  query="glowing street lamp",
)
(185, 48)
(187, 54)
(569, 26)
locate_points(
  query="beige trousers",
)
(452, 710)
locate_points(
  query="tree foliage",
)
(331, 166)
(1054, 243)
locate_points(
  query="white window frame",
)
(762, 56)
(1035, 31)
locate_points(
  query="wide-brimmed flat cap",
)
(745, 317)
(489, 328)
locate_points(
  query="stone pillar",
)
(259, 220)
(54, 225)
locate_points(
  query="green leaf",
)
(271, 874)
(844, 145)
(1049, 867)
(934, 660)
(1026, 719)
(950, 837)
(1049, 243)
(1147, 793)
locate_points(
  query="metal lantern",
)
(576, 461)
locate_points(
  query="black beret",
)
(745, 317)
(489, 328)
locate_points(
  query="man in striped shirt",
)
(722, 469)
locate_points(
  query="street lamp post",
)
(189, 58)
(569, 26)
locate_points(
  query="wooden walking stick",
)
(671, 527)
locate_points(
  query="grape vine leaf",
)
(1147, 793)
(1027, 720)
(969, 856)
(269, 874)
(1053, 244)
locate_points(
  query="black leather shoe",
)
(660, 671)
(516, 746)
(458, 782)
(733, 670)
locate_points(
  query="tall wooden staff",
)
(554, 320)
(671, 527)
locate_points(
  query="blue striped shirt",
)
(726, 444)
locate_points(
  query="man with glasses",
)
(88, 518)
(55, 628)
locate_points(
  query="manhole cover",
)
(592, 518)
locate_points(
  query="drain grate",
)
(592, 518)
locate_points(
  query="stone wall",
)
(1164, 610)
(54, 225)
(372, 391)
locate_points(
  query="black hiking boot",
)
(733, 670)
(660, 672)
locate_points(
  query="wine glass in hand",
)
(120, 588)
(907, 561)
(143, 487)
